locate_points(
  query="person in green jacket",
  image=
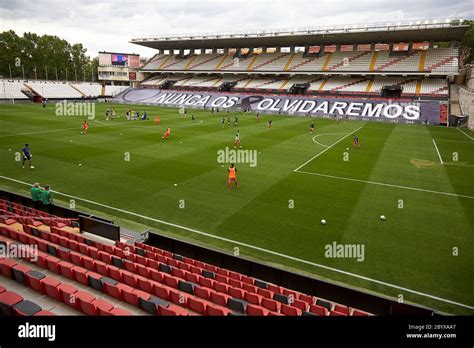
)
(36, 195)
(47, 198)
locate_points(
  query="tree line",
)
(49, 57)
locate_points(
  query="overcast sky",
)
(109, 26)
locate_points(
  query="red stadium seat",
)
(115, 273)
(306, 298)
(6, 267)
(156, 275)
(101, 268)
(161, 291)
(120, 312)
(103, 307)
(236, 293)
(289, 310)
(88, 263)
(300, 304)
(271, 304)
(318, 310)
(341, 309)
(171, 281)
(206, 282)
(253, 298)
(67, 293)
(254, 310)
(145, 284)
(202, 292)
(86, 302)
(51, 286)
(53, 264)
(113, 290)
(66, 269)
(80, 274)
(7, 300)
(197, 305)
(217, 311)
(179, 297)
(130, 296)
(130, 279)
(220, 287)
(76, 259)
(219, 298)
(265, 293)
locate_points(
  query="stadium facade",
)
(397, 72)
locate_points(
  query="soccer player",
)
(167, 133)
(27, 156)
(237, 140)
(157, 120)
(193, 118)
(355, 142)
(258, 117)
(85, 127)
(232, 176)
(236, 122)
(270, 124)
(311, 127)
(223, 122)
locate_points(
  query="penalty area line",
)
(437, 151)
(326, 149)
(385, 184)
(463, 132)
(284, 256)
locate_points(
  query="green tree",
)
(44, 57)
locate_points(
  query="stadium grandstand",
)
(35, 90)
(411, 60)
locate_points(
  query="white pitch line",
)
(259, 249)
(459, 164)
(463, 132)
(455, 141)
(319, 135)
(39, 132)
(327, 148)
(437, 151)
(385, 184)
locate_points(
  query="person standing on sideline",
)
(36, 195)
(47, 198)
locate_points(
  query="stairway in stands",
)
(280, 56)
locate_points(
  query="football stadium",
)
(313, 171)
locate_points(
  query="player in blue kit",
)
(27, 156)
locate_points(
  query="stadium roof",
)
(408, 31)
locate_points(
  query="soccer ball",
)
(323, 222)
(347, 149)
(382, 217)
(32, 167)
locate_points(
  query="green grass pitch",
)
(422, 253)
